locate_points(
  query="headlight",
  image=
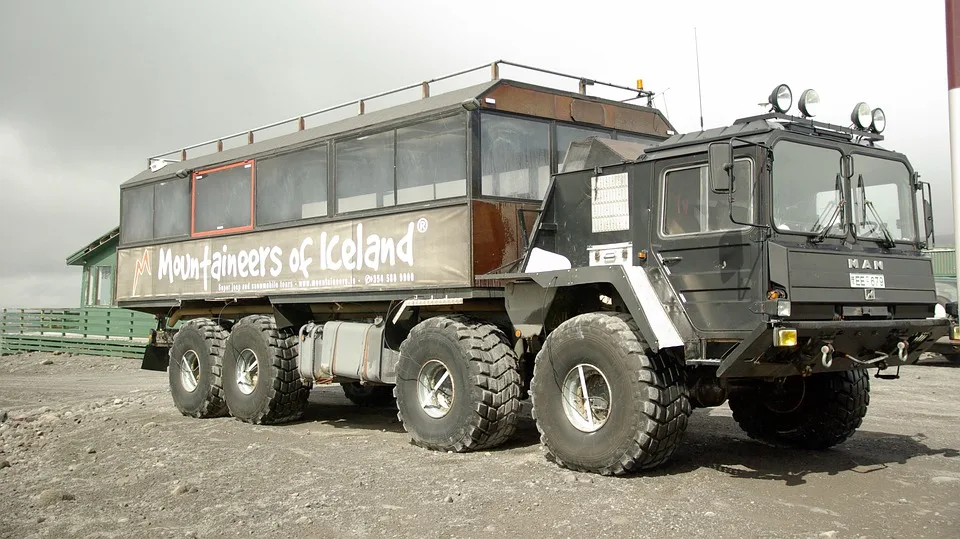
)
(784, 337)
(781, 98)
(879, 120)
(809, 103)
(783, 307)
(862, 116)
(955, 333)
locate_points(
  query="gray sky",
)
(89, 90)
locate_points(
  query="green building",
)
(99, 262)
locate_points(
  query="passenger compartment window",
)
(515, 157)
(432, 160)
(292, 186)
(689, 206)
(223, 199)
(365, 173)
(136, 223)
(171, 208)
(567, 134)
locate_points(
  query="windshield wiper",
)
(837, 211)
(887, 240)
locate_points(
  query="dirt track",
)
(96, 449)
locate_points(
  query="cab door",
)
(713, 263)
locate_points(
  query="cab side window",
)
(689, 206)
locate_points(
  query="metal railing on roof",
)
(300, 121)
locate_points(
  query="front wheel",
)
(602, 401)
(814, 412)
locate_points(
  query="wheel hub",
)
(248, 371)
(435, 390)
(189, 370)
(586, 398)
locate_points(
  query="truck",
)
(458, 254)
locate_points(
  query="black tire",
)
(814, 412)
(647, 406)
(198, 346)
(368, 395)
(278, 393)
(485, 403)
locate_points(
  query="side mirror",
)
(720, 167)
(927, 197)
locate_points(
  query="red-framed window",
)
(222, 199)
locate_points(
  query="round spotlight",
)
(781, 98)
(861, 116)
(879, 120)
(809, 103)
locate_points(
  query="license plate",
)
(866, 280)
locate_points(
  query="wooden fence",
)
(95, 331)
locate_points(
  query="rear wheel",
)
(261, 379)
(458, 387)
(602, 402)
(196, 367)
(813, 412)
(368, 394)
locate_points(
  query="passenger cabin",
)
(413, 200)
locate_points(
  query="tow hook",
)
(826, 357)
(902, 350)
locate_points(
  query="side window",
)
(292, 186)
(567, 134)
(689, 206)
(136, 223)
(365, 173)
(432, 160)
(171, 208)
(515, 157)
(223, 199)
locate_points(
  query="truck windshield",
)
(807, 189)
(882, 199)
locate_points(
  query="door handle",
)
(670, 260)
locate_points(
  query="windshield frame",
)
(847, 150)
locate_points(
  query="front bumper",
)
(851, 342)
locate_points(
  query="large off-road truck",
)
(457, 254)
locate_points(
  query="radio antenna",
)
(696, 48)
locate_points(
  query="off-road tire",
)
(831, 409)
(279, 395)
(483, 366)
(205, 338)
(649, 405)
(370, 395)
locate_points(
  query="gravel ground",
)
(93, 447)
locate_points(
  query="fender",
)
(530, 295)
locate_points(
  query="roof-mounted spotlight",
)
(781, 99)
(809, 103)
(861, 116)
(879, 122)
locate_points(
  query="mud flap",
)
(155, 358)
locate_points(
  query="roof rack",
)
(300, 121)
(813, 125)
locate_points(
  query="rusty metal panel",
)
(509, 98)
(498, 235)
(587, 112)
(421, 249)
